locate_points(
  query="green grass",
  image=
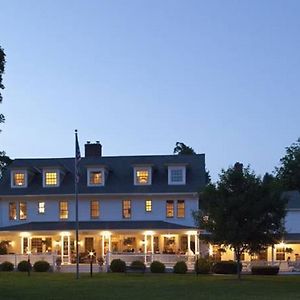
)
(15, 285)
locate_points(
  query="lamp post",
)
(91, 254)
(29, 265)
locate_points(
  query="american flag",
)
(77, 157)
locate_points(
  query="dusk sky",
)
(221, 76)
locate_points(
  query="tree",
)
(289, 171)
(182, 148)
(242, 212)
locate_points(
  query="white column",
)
(29, 244)
(152, 243)
(109, 243)
(145, 243)
(189, 243)
(22, 245)
(62, 248)
(196, 245)
(102, 243)
(69, 249)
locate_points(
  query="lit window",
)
(148, 205)
(19, 179)
(95, 177)
(126, 209)
(176, 175)
(180, 209)
(51, 178)
(142, 176)
(12, 211)
(94, 209)
(63, 210)
(41, 207)
(170, 208)
(23, 211)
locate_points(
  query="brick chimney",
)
(93, 149)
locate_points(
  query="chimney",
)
(93, 149)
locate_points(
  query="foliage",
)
(242, 211)
(264, 270)
(289, 171)
(118, 266)
(182, 148)
(180, 267)
(157, 267)
(7, 266)
(24, 266)
(138, 265)
(4, 247)
(4, 162)
(226, 267)
(202, 266)
(2, 65)
(41, 266)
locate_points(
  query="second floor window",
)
(170, 209)
(126, 209)
(23, 210)
(51, 178)
(148, 205)
(180, 209)
(41, 207)
(142, 176)
(176, 175)
(95, 177)
(18, 179)
(63, 210)
(12, 211)
(94, 209)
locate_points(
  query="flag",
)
(77, 157)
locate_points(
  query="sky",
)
(138, 75)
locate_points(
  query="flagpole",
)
(76, 203)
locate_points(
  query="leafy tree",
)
(182, 148)
(289, 171)
(241, 211)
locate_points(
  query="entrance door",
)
(89, 244)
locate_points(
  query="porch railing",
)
(16, 258)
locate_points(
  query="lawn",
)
(45, 286)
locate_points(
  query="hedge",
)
(41, 266)
(118, 266)
(138, 265)
(264, 270)
(225, 267)
(202, 266)
(7, 266)
(157, 267)
(180, 267)
(24, 266)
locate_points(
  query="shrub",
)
(202, 266)
(157, 267)
(138, 265)
(118, 266)
(225, 267)
(264, 270)
(180, 267)
(7, 266)
(41, 266)
(24, 266)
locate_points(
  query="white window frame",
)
(51, 171)
(12, 173)
(39, 212)
(89, 170)
(148, 169)
(172, 168)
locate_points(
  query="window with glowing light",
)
(142, 176)
(126, 209)
(95, 177)
(50, 178)
(170, 209)
(23, 210)
(63, 210)
(148, 205)
(94, 209)
(180, 209)
(19, 179)
(12, 211)
(41, 207)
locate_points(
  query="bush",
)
(180, 267)
(226, 267)
(264, 270)
(118, 266)
(202, 266)
(24, 266)
(138, 265)
(7, 266)
(157, 267)
(41, 266)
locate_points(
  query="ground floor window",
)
(280, 254)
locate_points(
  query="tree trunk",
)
(238, 260)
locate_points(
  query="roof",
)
(95, 225)
(293, 199)
(119, 177)
(292, 237)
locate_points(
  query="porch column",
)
(29, 244)
(62, 248)
(196, 244)
(152, 243)
(22, 245)
(109, 243)
(69, 249)
(189, 243)
(102, 245)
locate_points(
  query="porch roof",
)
(292, 237)
(96, 225)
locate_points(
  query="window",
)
(23, 210)
(180, 209)
(94, 209)
(19, 179)
(95, 177)
(176, 175)
(51, 178)
(41, 207)
(148, 205)
(126, 209)
(142, 176)
(12, 211)
(280, 254)
(170, 208)
(63, 210)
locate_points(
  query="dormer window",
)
(95, 177)
(19, 179)
(142, 176)
(176, 175)
(50, 178)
